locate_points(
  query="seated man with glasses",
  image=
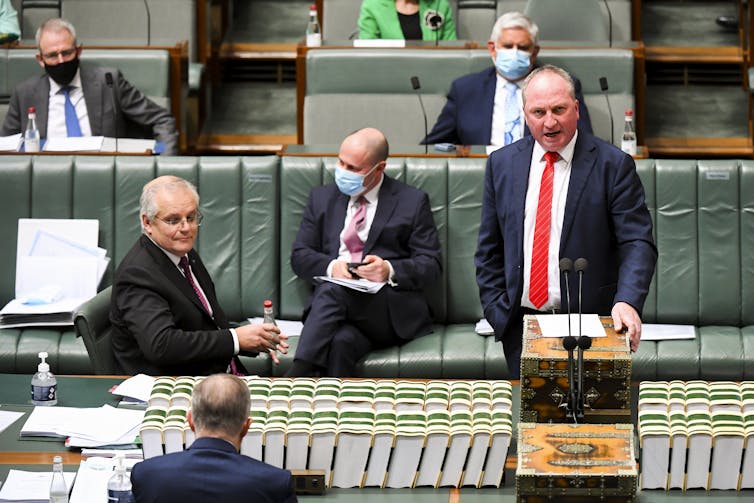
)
(165, 316)
(73, 99)
(365, 225)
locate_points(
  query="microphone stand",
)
(417, 86)
(583, 342)
(569, 342)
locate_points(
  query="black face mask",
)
(63, 73)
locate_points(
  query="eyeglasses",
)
(194, 220)
(65, 54)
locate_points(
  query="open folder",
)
(58, 268)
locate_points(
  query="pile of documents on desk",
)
(58, 268)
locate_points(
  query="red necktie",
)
(541, 247)
(351, 237)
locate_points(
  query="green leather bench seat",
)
(703, 211)
(378, 86)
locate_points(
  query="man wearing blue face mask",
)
(484, 108)
(365, 225)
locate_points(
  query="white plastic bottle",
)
(628, 143)
(31, 134)
(44, 386)
(313, 32)
(119, 485)
(58, 489)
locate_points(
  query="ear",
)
(244, 428)
(146, 224)
(78, 51)
(190, 419)
(39, 59)
(492, 49)
(534, 53)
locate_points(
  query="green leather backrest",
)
(345, 86)
(239, 198)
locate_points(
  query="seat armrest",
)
(92, 321)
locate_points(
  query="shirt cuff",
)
(329, 268)
(391, 277)
(236, 347)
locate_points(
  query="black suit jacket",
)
(159, 324)
(403, 232)
(466, 118)
(210, 471)
(135, 115)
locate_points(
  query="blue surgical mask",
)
(512, 63)
(350, 183)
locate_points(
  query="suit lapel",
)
(172, 273)
(335, 224)
(385, 206)
(487, 103)
(92, 88)
(584, 158)
(520, 167)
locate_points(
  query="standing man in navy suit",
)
(166, 319)
(560, 193)
(212, 470)
(484, 108)
(365, 218)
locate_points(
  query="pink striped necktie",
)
(351, 236)
(184, 265)
(538, 292)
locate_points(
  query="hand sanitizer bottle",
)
(44, 386)
(119, 485)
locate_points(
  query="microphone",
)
(584, 342)
(435, 21)
(580, 265)
(109, 82)
(609, 24)
(417, 86)
(149, 23)
(569, 342)
(603, 86)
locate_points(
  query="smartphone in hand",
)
(352, 268)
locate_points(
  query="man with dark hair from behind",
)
(212, 469)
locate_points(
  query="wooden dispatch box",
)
(544, 377)
(566, 463)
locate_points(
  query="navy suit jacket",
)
(403, 232)
(466, 118)
(135, 115)
(210, 471)
(159, 326)
(606, 221)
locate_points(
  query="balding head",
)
(371, 142)
(220, 408)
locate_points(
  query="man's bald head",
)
(370, 141)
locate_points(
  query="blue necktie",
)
(512, 114)
(71, 120)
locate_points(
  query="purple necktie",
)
(184, 265)
(351, 236)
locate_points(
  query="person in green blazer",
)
(407, 19)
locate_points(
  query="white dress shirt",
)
(560, 180)
(497, 136)
(56, 109)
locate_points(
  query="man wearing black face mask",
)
(76, 100)
(386, 226)
(484, 108)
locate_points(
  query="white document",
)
(291, 328)
(104, 425)
(82, 231)
(138, 387)
(75, 144)
(10, 143)
(556, 325)
(7, 418)
(360, 285)
(379, 42)
(30, 486)
(74, 277)
(61, 306)
(653, 332)
(483, 327)
(127, 145)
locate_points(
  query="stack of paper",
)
(58, 268)
(11, 143)
(30, 487)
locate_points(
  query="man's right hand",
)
(340, 270)
(262, 338)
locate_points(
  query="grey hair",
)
(56, 24)
(551, 69)
(515, 19)
(220, 403)
(147, 203)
